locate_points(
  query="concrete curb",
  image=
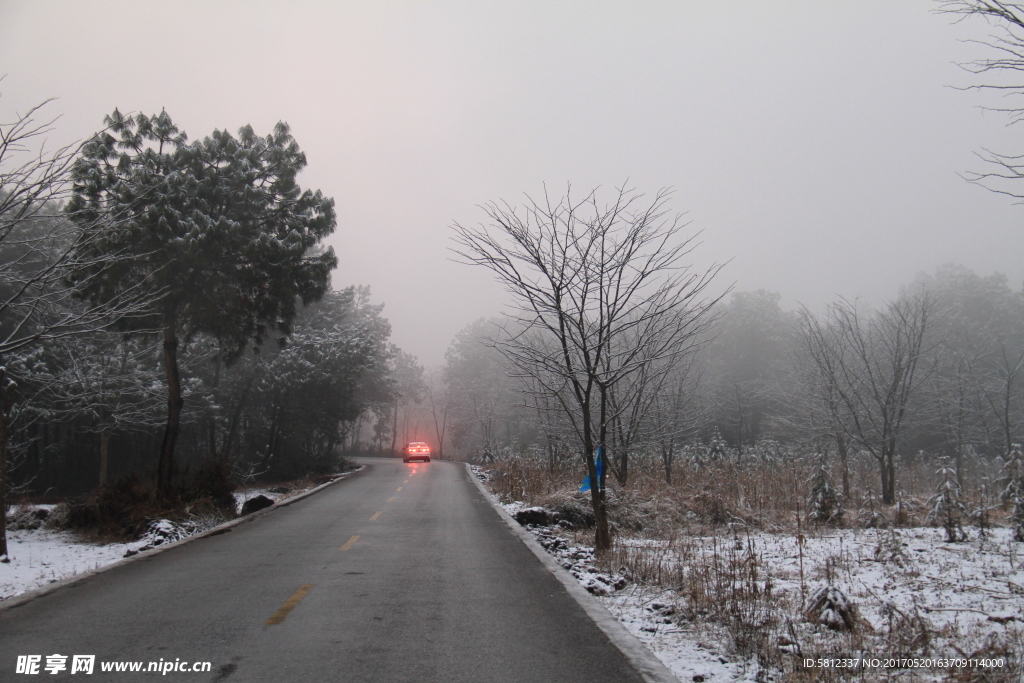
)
(643, 660)
(29, 596)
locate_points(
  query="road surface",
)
(401, 572)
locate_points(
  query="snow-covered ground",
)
(42, 556)
(913, 594)
(910, 594)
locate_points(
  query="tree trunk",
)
(623, 471)
(165, 466)
(890, 466)
(888, 472)
(394, 429)
(667, 456)
(104, 451)
(233, 429)
(5, 402)
(603, 534)
(843, 449)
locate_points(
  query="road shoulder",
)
(642, 659)
(18, 600)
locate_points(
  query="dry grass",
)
(693, 539)
(768, 495)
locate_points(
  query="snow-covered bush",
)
(27, 517)
(829, 606)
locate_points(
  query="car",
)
(416, 450)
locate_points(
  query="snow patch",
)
(38, 556)
(966, 598)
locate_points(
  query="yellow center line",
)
(288, 605)
(391, 499)
(406, 481)
(349, 543)
(375, 516)
(399, 488)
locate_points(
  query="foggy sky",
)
(816, 144)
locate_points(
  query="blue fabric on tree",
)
(585, 486)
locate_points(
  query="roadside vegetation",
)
(785, 485)
(167, 328)
(740, 559)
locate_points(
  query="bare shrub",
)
(693, 544)
(1008, 647)
(907, 631)
(121, 509)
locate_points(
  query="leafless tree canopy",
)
(38, 242)
(869, 369)
(37, 247)
(1003, 73)
(601, 296)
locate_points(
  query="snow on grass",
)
(712, 607)
(40, 556)
(651, 615)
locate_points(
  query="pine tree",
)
(825, 502)
(1013, 490)
(947, 506)
(220, 235)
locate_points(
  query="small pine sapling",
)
(871, 516)
(1013, 490)
(717, 447)
(982, 515)
(903, 512)
(946, 507)
(824, 502)
(890, 549)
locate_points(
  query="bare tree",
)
(1000, 384)
(600, 293)
(869, 369)
(478, 386)
(677, 412)
(955, 399)
(1005, 69)
(38, 242)
(38, 247)
(816, 406)
(632, 403)
(440, 404)
(407, 375)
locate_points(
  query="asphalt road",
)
(402, 572)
